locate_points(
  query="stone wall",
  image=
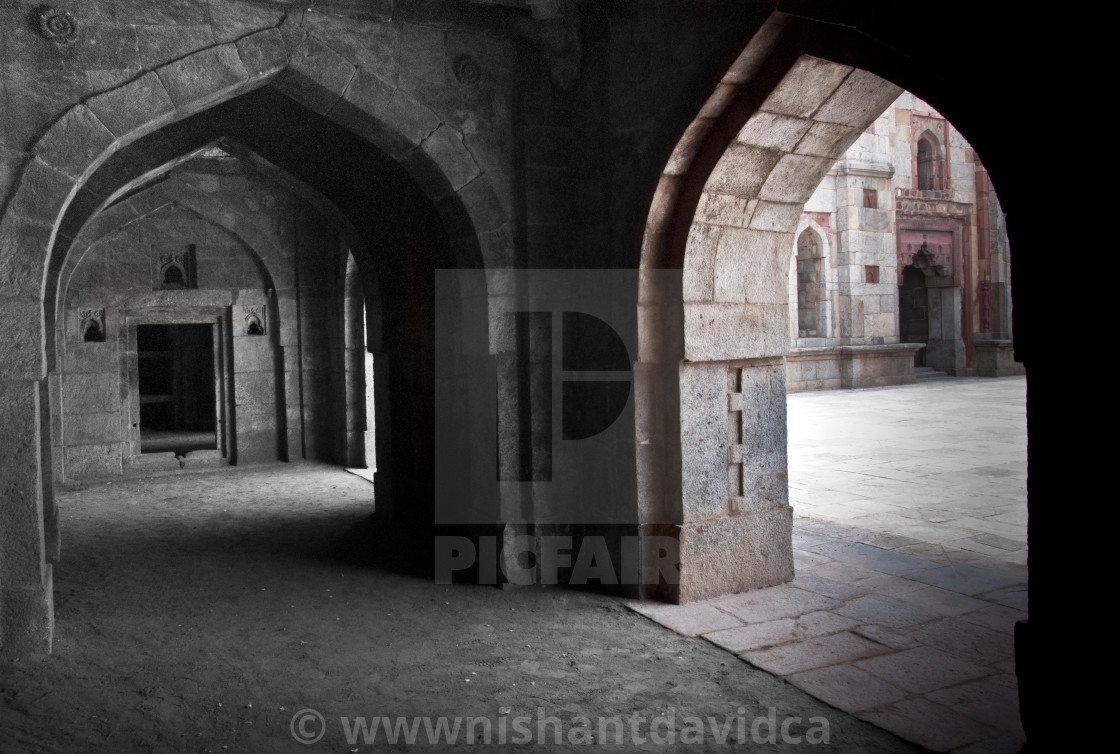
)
(871, 217)
(276, 309)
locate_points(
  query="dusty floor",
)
(201, 611)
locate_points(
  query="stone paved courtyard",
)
(910, 548)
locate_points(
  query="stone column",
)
(737, 523)
(383, 472)
(26, 602)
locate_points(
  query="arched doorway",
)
(130, 136)
(913, 311)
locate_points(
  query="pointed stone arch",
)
(710, 381)
(52, 200)
(56, 194)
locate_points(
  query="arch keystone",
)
(317, 76)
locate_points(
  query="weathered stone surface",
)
(90, 393)
(752, 267)
(794, 179)
(774, 216)
(204, 77)
(445, 147)
(703, 390)
(317, 76)
(773, 131)
(234, 19)
(21, 537)
(132, 106)
(24, 357)
(735, 554)
(861, 97)
(74, 142)
(92, 428)
(263, 53)
(806, 87)
(254, 387)
(742, 170)
(27, 618)
(88, 461)
(827, 140)
(23, 251)
(41, 194)
(160, 44)
(765, 481)
(716, 332)
(724, 209)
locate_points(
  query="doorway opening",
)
(913, 311)
(176, 385)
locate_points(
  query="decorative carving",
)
(926, 261)
(92, 329)
(175, 270)
(467, 70)
(58, 25)
(254, 320)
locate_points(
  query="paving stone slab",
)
(894, 638)
(968, 640)
(1003, 543)
(773, 603)
(931, 725)
(806, 559)
(993, 700)
(964, 578)
(1013, 596)
(943, 601)
(828, 587)
(996, 617)
(783, 631)
(923, 669)
(892, 612)
(815, 653)
(687, 620)
(847, 687)
(939, 553)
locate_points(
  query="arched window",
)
(810, 285)
(929, 163)
(253, 325)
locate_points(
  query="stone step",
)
(923, 374)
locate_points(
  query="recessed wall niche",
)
(92, 329)
(254, 320)
(173, 269)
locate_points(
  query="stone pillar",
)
(51, 538)
(26, 603)
(737, 523)
(383, 473)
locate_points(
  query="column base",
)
(27, 618)
(736, 554)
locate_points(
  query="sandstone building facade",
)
(215, 167)
(901, 260)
